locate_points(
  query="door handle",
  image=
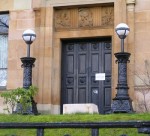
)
(95, 91)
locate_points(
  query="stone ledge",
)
(80, 108)
(130, 1)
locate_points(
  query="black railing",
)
(142, 126)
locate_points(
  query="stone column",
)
(120, 16)
(131, 2)
(131, 44)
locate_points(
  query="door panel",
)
(81, 60)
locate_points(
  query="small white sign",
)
(99, 76)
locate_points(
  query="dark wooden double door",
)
(81, 60)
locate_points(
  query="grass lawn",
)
(72, 118)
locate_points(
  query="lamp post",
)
(122, 102)
(28, 62)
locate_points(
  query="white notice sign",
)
(99, 76)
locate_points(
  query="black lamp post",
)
(28, 62)
(122, 102)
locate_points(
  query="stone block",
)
(6, 5)
(80, 108)
(22, 4)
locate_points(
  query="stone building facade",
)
(56, 21)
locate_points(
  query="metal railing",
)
(142, 126)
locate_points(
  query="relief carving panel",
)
(62, 19)
(107, 16)
(86, 17)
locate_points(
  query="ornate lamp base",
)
(28, 63)
(121, 106)
(122, 102)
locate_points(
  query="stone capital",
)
(130, 1)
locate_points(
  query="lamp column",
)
(122, 102)
(28, 63)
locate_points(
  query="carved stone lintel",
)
(85, 17)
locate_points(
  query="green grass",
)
(72, 118)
